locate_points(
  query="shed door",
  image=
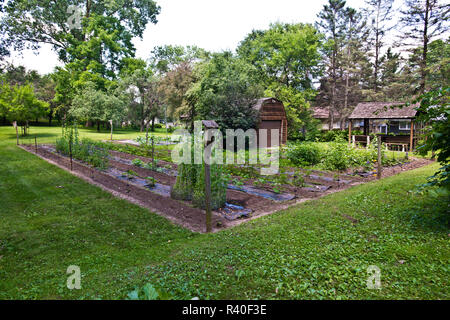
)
(269, 125)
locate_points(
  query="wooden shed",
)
(272, 115)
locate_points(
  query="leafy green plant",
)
(277, 187)
(131, 174)
(305, 153)
(148, 292)
(237, 182)
(298, 180)
(338, 156)
(137, 162)
(151, 181)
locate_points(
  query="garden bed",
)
(247, 200)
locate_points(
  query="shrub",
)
(306, 153)
(338, 156)
(219, 182)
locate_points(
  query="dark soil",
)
(183, 213)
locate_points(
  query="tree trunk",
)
(153, 124)
(423, 68)
(98, 125)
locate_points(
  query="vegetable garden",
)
(145, 175)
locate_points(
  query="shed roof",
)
(383, 110)
(260, 102)
(321, 112)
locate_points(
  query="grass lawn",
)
(50, 220)
(50, 134)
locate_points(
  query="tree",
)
(434, 109)
(380, 12)
(332, 23)
(93, 51)
(20, 104)
(45, 91)
(175, 66)
(225, 90)
(438, 64)
(287, 57)
(142, 91)
(29, 24)
(355, 61)
(166, 58)
(421, 22)
(174, 86)
(285, 53)
(345, 59)
(97, 105)
(396, 80)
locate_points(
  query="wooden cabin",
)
(396, 126)
(272, 115)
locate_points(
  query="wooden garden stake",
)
(153, 153)
(207, 160)
(208, 193)
(379, 158)
(35, 144)
(70, 155)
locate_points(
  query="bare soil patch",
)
(182, 212)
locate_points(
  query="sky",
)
(214, 25)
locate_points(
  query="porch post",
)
(350, 131)
(411, 136)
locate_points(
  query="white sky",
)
(214, 25)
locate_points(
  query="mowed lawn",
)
(50, 220)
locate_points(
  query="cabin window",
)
(404, 125)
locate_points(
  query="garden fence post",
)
(153, 152)
(208, 191)
(379, 158)
(70, 154)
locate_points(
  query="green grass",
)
(50, 134)
(50, 220)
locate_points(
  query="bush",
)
(304, 154)
(171, 129)
(219, 183)
(338, 156)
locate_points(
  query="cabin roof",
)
(383, 110)
(321, 113)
